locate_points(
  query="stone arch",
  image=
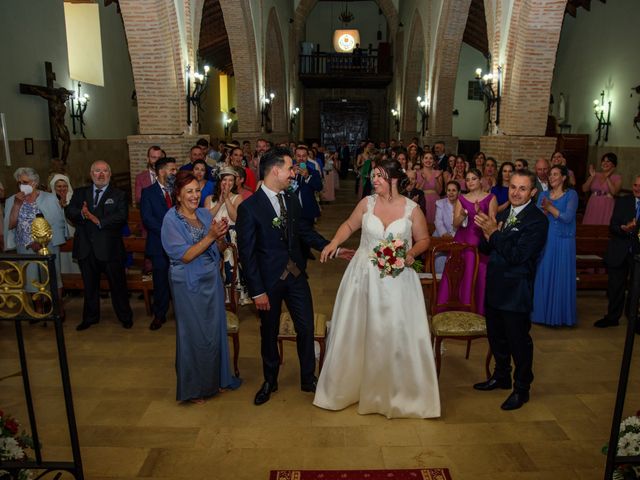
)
(274, 73)
(451, 25)
(415, 66)
(242, 43)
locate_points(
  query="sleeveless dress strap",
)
(408, 207)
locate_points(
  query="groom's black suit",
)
(265, 250)
(513, 254)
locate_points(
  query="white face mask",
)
(26, 189)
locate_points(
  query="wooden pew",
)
(136, 282)
(591, 245)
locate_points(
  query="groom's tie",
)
(283, 210)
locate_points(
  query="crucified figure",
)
(57, 98)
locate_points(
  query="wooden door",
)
(343, 121)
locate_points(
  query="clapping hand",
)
(88, 215)
(629, 227)
(592, 170)
(218, 229)
(486, 223)
(545, 204)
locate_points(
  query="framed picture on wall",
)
(28, 146)
(5, 155)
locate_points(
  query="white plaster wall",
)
(598, 51)
(110, 114)
(469, 124)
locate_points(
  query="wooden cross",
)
(56, 98)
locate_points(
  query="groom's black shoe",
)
(309, 387)
(493, 383)
(265, 392)
(515, 400)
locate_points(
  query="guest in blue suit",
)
(270, 237)
(189, 235)
(554, 291)
(155, 202)
(309, 182)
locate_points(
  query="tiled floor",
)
(131, 426)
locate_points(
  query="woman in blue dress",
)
(554, 294)
(189, 237)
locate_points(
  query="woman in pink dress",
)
(459, 172)
(430, 181)
(465, 210)
(604, 186)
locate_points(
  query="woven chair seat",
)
(287, 328)
(233, 322)
(458, 324)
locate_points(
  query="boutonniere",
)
(511, 222)
(276, 222)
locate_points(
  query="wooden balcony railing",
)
(320, 69)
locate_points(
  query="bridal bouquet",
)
(13, 444)
(389, 256)
(628, 445)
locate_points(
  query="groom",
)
(514, 241)
(270, 236)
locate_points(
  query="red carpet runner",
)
(413, 474)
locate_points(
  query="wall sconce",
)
(293, 117)
(423, 108)
(492, 97)
(79, 104)
(199, 85)
(227, 122)
(599, 110)
(396, 118)
(636, 119)
(266, 112)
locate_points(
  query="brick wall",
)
(531, 48)
(510, 147)
(176, 146)
(451, 25)
(158, 63)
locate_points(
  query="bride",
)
(379, 350)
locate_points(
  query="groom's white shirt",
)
(273, 198)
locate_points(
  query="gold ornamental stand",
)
(17, 305)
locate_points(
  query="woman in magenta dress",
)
(466, 208)
(604, 186)
(430, 181)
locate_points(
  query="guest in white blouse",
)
(444, 219)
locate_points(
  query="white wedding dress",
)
(379, 350)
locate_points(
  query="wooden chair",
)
(458, 321)
(427, 276)
(288, 332)
(231, 304)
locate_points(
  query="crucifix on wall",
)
(56, 98)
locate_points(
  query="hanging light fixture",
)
(346, 16)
